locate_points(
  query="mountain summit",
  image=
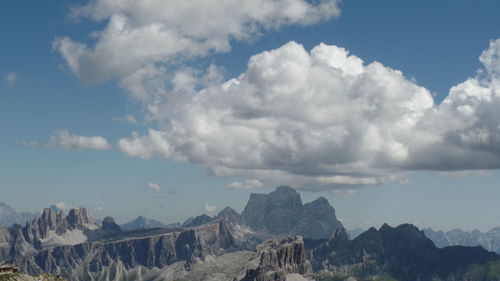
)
(281, 212)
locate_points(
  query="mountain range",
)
(489, 240)
(275, 238)
(9, 216)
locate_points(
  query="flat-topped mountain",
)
(281, 212)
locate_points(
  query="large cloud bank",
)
(324, 118)
(312, 119)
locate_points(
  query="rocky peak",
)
(279, 260)
(317, 220)
(284, 189)
(199, 220)
(81, 219)
(281, 212)
(109, 225)
(230, 214)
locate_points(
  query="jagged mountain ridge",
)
(281, 213)
(402, 252)
(154, 251)
(489, 240)
(141, 222)
(9, 216)
(109, 253)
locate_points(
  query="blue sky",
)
(436, 45)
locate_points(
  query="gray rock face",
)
(9, 216)
(109, 225)
(155, 251)
(317, 220)
(281, 212)
(141, 223)
(39, 229)
(81, 219)
(276, 212)
(279, 260)
(489, 240)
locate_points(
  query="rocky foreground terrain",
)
(276, 238)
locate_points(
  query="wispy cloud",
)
(466, 174)
(154, 186)
(65, 140)
(129, 118)
(345, 192)
(11, 78)
(249, 184)
(209, 209)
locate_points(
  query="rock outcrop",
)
(54, 228)
(279, 260)
(230, 215)
(281, 212)
(109, 225)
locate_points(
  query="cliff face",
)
(277, 261)
(155, 251)
(281, 212)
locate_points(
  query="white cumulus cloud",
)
(313, 119)
(66, 140)
(141, 37)
(324, 118)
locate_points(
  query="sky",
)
(169, 109)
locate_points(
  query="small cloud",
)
(154, 186)
(63, 206)
(64, 139)
(345, 192)
(98, 209)
(368, 222)
(465, 174)
(209, 209)
(129, 118)
(344, 220)
(249, 184)
(11, 78)
(404, 181)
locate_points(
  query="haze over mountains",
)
(276, 237)
(489, 240)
